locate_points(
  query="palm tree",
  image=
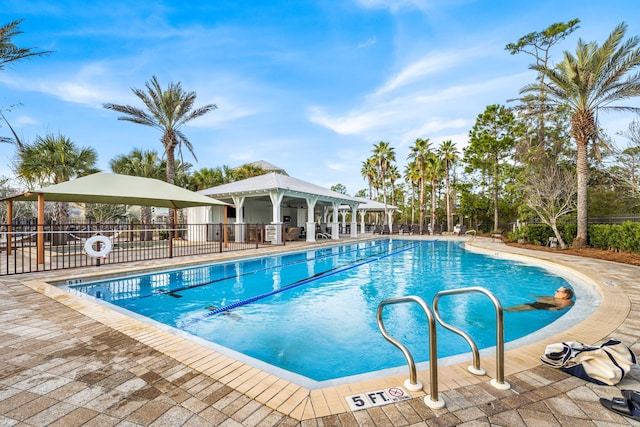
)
(146, 164)
(449, 155)
(168, 111)
(207, 177)
(384, 155)
(412, 176)
(433, 173)
(9, 52)
(54, 159)
(368, 172)
(418, 152)
(393, 175)
(247, 171)
(593, 79)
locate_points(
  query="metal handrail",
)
(412, 383)
(498, 382)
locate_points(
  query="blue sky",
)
(309, 86)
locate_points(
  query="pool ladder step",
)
(412, 383)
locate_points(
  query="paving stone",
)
(62, 368)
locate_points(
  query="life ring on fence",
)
(103, 252)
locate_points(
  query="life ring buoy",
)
(104, 250)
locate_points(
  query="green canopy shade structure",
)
(108, 188)
(111, 188)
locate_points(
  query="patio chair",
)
(385, 229)
(462, 231)
(377, 229)
(395, 229)
(293, 233)
(437, 229)
(415, 229)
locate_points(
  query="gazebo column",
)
(325, 218)
(276, 197)
(343, 217)
(390, 218)
(239, 202)
(335, 232)
(354, 221)
(362, 213)
(311, 220)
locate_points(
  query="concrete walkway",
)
(63, 364)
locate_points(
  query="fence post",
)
(221, 227)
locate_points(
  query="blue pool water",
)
(314, 312)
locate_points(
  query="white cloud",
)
(25, 121)
(416, 112)
(226, 112)
(430, 64)
(88, 86)
(371, 41)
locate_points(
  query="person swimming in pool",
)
(559, 301)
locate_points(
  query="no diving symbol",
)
(376, 398)
(396, 392)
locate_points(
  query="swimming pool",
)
(313, 313)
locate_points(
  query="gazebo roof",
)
(292, 187)
(373, 205)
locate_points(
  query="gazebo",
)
(281, 200)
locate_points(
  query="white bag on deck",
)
(605, 364)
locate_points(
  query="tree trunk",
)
(561, 242)
(582, 170)
(433, 206)
(448, 199)
(413, 197)
(421, 205)
(496, 217)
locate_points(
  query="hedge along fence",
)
(616, 237)
(623, 238)
(538, 234)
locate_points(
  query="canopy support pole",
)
(40, 236)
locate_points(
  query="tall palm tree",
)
(54, 159)
(593, 79)
(167, 110)
(433, 173)
(368, 172)
(449, 155)
(393, 175)
(384, 156)
(412, 176)
(418, 153)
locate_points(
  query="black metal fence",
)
(67, 246)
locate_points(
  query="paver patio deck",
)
(66, 361)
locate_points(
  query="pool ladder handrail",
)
(498, 382)
(431, 400)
